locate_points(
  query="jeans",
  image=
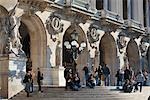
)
(107, 80)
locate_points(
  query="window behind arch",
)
(99, 4)
(125, 10)
(144, 12)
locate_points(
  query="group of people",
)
(72, 80)
(126, 78)
(130, 80)
(92, 78)
(28, 81)
(97, 77)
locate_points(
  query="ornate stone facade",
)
(42, 26)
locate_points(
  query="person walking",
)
(39, 79)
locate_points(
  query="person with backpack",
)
(39, 79)
(27, 81)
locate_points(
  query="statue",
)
(14, 32)
(3, 35)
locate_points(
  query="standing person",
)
(96, 76)
(66, 76)
(99, 74)
(31, 77)
(27, 81)
(106, 73)
(139, 81)
(86, 73)
(39, 79)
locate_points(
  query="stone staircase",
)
(98, 93)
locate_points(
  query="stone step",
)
(98, 93)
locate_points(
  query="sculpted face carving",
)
(93, 35)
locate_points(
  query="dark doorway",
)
(25, 40)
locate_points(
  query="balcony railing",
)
(134, 24)
(81, 3)
(108, 15)
(78, 3)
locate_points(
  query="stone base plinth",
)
(53, 76)
(12, 72)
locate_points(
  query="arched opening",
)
(75, 58)
(108, 55)
(133, 56)
(34, 40)
(25, 40)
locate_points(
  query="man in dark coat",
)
(39, 79)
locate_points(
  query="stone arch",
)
(82, 58)
(133, 56)
(108, 55)
(38, 39)
(3, 11)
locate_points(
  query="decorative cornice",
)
(34, 5)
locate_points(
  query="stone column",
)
(4, 76)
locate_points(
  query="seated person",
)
(127, 87)
(90, 81)
(76, 82)
(69, 81)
